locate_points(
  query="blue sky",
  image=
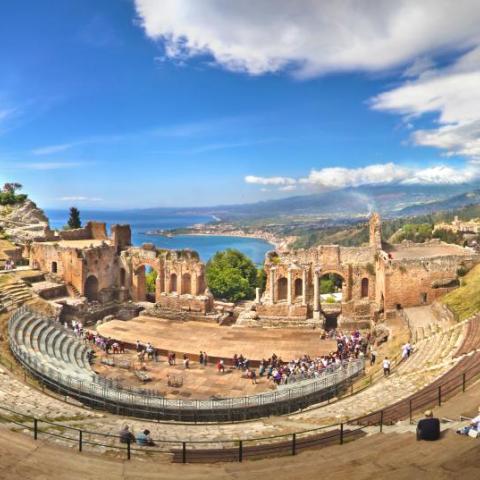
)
(114, 104)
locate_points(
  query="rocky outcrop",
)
(23, 222)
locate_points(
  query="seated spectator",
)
(126, 435)
(144, 439)
(473, 429)
(429, 427)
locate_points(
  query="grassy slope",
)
(465, 300)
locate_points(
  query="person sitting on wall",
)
(428, 428)
(473, 429)
(144, 439)
(126, 435)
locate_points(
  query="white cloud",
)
(49, 165)
(50, 149)
(278, 181)
(80, 198)
(453, 93)
(310, 36)
(378, 174)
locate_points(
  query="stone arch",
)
(282, 288)
(186, 284)
(91, 288)
(173, 283)
(364, 287)
(298, 287)
(54, 268)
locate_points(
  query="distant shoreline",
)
(274, 244)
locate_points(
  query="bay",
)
(205, 245)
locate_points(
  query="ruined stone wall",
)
(414, 282)
(91, 231)
(121, 237)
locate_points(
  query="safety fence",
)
(100, 393)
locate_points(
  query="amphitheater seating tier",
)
(52, 345)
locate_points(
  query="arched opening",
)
(150, 284)
(123, 277)
(54, 267)
(331, 285)
(382, 303)
(364, 287)
(173, 283)
(298, 287)
(91, 288)
(186, 284)
(282, 288)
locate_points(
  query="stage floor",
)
(219, 342)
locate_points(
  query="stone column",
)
(167, 281)
(289, 286)
(316, 291)
(304, 287)
(257, 295)
(272, 284)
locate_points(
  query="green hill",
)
(465, 300)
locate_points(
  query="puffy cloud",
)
(309, 36)
(453, 93)
(278, 181)
(339, 177)
(378, 174)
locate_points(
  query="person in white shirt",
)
(386, 366)
(474, 426)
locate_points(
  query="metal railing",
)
(105, 394)
(239, 449)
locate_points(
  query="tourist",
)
(253, 376)
(405, 350)
(205, 359)
(408, 345)
(150, 351)
(138, 346)
(115, 348)
(200, 358)
(220, 366)
(386, 367)
(473, 430)
(428, 428)
(144, 439)
(186, 361)
(126, 436)
(373, 357)
(261, 368)
(235, 361)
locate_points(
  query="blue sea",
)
(206, 245)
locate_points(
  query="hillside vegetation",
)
(465, 300)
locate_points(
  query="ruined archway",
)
(54, 267)
(331, 297)
(173, 283)
(186, 284)
(298, 288)
(91, 288)
(364, 288)
(282, 288)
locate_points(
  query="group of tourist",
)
(349, 347)
(9, 265)
(142, 438)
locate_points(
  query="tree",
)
(11, 187)
(150, 279)
(74, 219)
(232, 276)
